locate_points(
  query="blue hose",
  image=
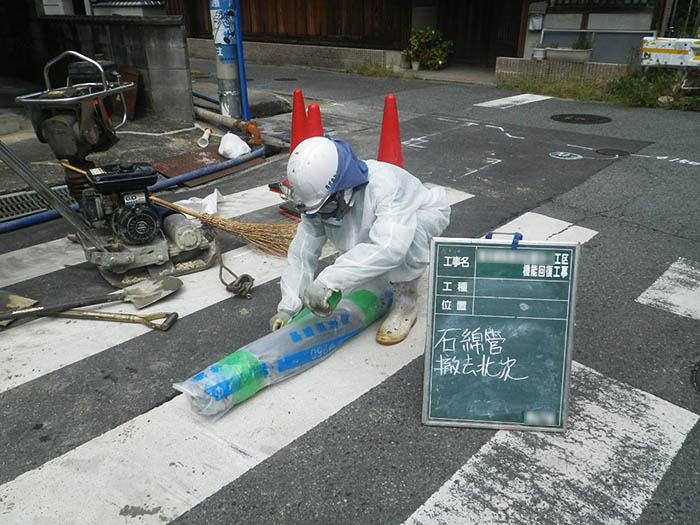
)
(31, 220)
(52, 214)
(209, 169)
(205, 97)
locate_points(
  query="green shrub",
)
(637, 88)
(370, 69)
(642, 88)
(429, 47)
(582, 43)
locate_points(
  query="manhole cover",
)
(613, 152)
(581, 118)
(285, 79)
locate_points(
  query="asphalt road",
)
(92, 431)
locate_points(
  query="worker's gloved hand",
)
(316, 298)
(279, 320)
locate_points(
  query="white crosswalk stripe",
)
(677, 290)
(509, 102)
(628, 444)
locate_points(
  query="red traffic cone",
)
(298, 120)
(314, 128)
(390, 139)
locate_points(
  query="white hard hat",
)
(311, 170)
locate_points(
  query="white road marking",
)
(488, 161)
(60, 253)
(537, 227)
(47, 344)
(603, 469)
(165, 461)
(509, 102)
(677, 290)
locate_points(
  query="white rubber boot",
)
(402, 316)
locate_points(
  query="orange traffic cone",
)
(314, 128)
(298, 120)
(390, 139)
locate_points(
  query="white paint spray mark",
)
(604, 469)
(677, 290)
(416, 142)
(567, 155)
(509, 102)
(665, 157)
(499, 128)
(488, 161)
(514, 136)
(580, 147)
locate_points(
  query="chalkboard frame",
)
(568, 346)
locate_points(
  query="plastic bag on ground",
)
(232, 146)
(208, 204)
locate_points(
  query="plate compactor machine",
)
(121, 231)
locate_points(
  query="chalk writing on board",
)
(473, 352)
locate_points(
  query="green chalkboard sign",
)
(500, 320)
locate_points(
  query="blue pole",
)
(241, 65)
(209, 169)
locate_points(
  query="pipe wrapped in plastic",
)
(304, 342)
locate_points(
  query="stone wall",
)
(326, 57)
(156, 47)
(509, 69)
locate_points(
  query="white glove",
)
(316, 298)
(279, 320)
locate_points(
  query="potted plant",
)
(539, 51)
(428, 48)
(580, 51)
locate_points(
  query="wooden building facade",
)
(481, 29)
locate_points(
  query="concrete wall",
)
(155, 46)
(128, 11)
(639, 21)
(326, 57)
(624, 22)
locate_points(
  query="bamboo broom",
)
(271, 238)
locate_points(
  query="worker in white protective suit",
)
(380, 217)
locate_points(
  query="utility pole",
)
(224, 32)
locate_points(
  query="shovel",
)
(10, 301)
(140, 294)
(169, 318)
